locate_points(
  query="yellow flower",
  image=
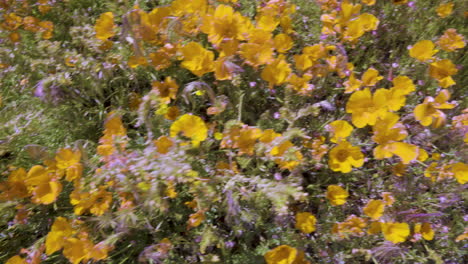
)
(368, 2)
(442, 71)
(76, 250)
(61, 229)
(277, 72)
(388, 198)
(344, 156)
(374, 228)
(105, 26)
(374, 209)
(225, 24)
(47, 192)
(192, 127)
(283, 43)
(288, 157)
(16, 260)
(403, 84)
(370, 77)
(423, 50)
(352, 84)
(365, 108)
(197, 59)
(196, 219)
(340, 129)
(163, 144)
(445, 10)
(256, 54)
(285, 254)
(167, 90)
(395, 232)
(387, 132)
(460, 171)
(451, 41)
(336, 194)
(399, 2)
(65, 158)
(305, 222)
(428, 112)
(101, 201)
(425, 230)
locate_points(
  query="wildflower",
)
(225, 24)
(192, 127)
(423, 50)
(387, 133)
(277, 72)
(353, 225)
(336, 194)
(243, 138)
(61, 229)
(47, 192)
(283, 43)
(428, 112)
(374, 228)
(166, 90)
(16, 260)
(368, 2)
(105, 26)
(460, 171)
(305, 222)
(352, 84)
(340, 129)
(403, 84)
(425, 230)
(445, 10)
(395, 232)
(374, 209)
(365, 107)
(388, 198)
(287, 157)
(100, 202)
(399, 2)
(285, 254)
(195, 219)
(442, 70)
(451, 41)
(197, 59)
(344, 156)
(370, 77)
(163, 144)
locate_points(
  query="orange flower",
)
(451, 41)
(277, 72)
(445, 10)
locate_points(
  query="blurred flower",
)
(445, 10)
(336, 195)
(395, 232)
(305, 222)
(374, 209)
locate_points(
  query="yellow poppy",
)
(190, 126)
(336, 195)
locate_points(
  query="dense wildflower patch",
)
(233, 131)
